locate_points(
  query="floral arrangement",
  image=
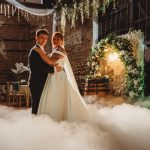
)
(136, 38)
(134, 76)
(82, 9)
(20, 68)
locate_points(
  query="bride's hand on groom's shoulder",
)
(38, 49)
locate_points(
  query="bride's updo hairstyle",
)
(60, 36)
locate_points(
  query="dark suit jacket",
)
(38, 70)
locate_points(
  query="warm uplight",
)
(113, 56)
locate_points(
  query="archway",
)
(134, 77)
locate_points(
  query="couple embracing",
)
(53, 87)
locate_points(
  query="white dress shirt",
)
(41, 47)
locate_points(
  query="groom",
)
(39, 69)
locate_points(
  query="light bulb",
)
(113, 56)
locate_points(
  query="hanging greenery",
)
(134, 72)
(69, 10)
(84, 8)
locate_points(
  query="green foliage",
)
(73, 10)
(134, 72)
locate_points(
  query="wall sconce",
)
(113, 56)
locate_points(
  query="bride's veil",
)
(68, 70)
(70, 75)
(71, 78)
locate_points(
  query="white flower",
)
(134, 71)
(135, 82)
(93, 63)
(93, 49)
(106, 40)
(97, 67)
(96, 55)
(129, 67)
(131, 94)
(122, 53)
(129, 59)
(126, 57)
(140, 88)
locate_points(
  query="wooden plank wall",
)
(124, 16)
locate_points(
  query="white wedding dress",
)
(61, 99)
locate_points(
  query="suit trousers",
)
(36, 95)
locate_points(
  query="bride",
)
(61, 99)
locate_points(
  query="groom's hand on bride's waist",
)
(58, 68)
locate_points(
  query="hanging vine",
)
(69, 10)
(84, 8)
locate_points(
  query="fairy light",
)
(18, 14)
(1, 8)
(22, 12)
(12, 10)
(27, 16)
(5, 12)
(8, 11)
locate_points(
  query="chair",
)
(2, 93)
(17, 93)
(24, 90)
(9, 93)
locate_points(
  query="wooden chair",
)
(24, 90)
(9, 93)
(19, 95)
(2, 93)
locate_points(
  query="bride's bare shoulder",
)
(61, 49)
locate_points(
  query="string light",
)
(18, 14)
(12, 11)
(5, 10)
(22, 12)
(8, 11)
(1, 8)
